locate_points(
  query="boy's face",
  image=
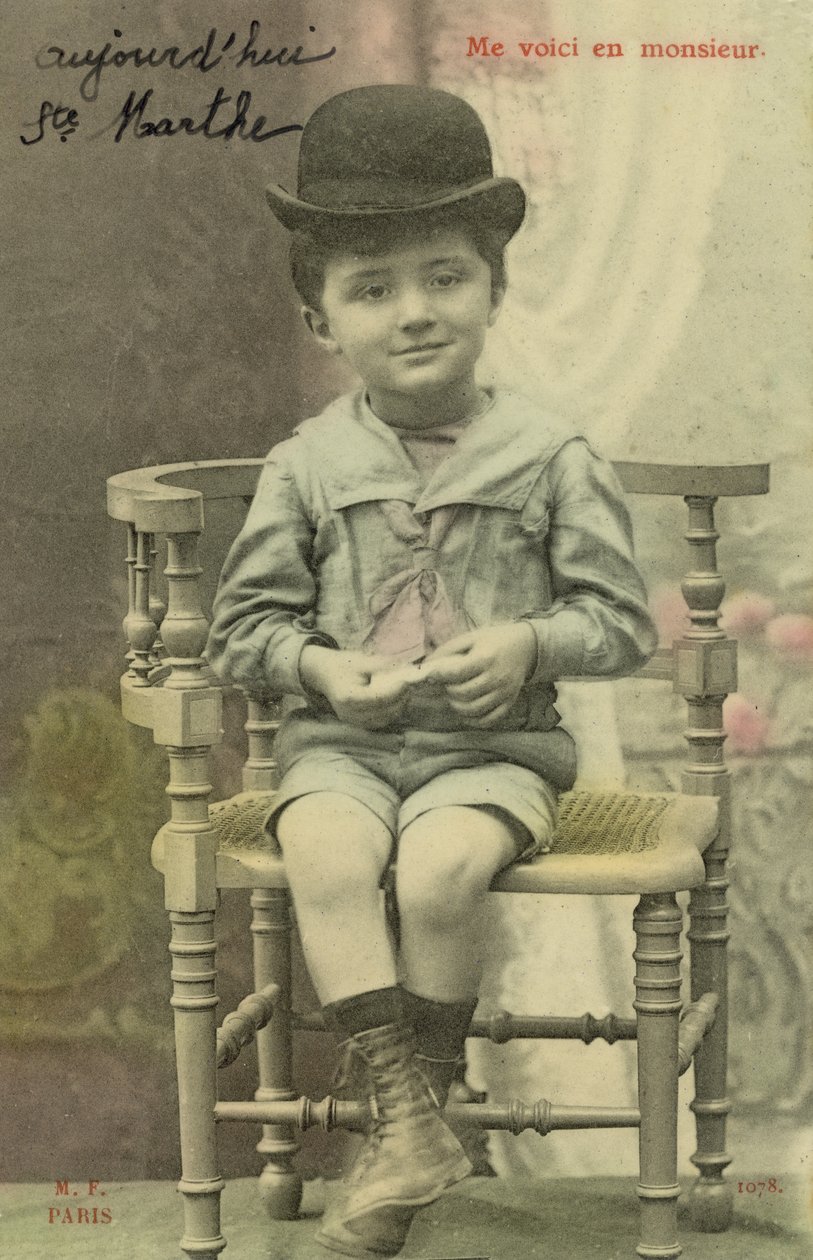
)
(410, 320)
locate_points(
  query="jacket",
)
(532, 525)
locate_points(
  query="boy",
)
(420, 564)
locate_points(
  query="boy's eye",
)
(373, 292)
(445, 279)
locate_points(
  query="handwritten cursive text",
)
(204, 57)
(132, 117)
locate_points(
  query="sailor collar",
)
(494, 463)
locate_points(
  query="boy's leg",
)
(336, 850)
(446, 861)
(447, 858)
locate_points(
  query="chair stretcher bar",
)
(515, 1116)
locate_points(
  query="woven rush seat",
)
(605, 842)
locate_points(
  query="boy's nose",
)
(415, 309)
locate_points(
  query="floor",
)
(483, 1219)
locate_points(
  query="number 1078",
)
(771, 1186)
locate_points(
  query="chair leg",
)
(711, 1199)
(194, 1000)
(279, 1184)
(657, 924)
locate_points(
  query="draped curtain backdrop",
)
(654, 294)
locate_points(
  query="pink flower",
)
(669, 612)
(746, 613)
(792, 633)
(746, 724)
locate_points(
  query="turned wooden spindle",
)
(157, 607)
(194, 1000)
(697, 1019)
(240, 1027)
(707, 673)
(260, 767)
(658, 923)
(139, 627)
(130, 560)
(711, 1200)
(703, 587)
(184, 629)
(280, 1186)
(502, 1026)
(515, 1116)
(186, 720)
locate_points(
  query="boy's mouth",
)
(422, 348)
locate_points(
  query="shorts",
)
(400, 775)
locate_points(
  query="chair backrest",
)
(169, 687)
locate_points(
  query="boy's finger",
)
(452, 669)
(478, 707)
(492, 718)
(404, 675)
(453, 647)
(471, 688)
(377, 665)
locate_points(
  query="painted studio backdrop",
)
(655, 294)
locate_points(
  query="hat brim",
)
(500, 200)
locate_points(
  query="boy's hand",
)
(368, 691)
(484, 671)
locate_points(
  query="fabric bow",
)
(412, 612)
(413, 615)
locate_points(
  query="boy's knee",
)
(333, 846)
(324, 818)
(439, 868)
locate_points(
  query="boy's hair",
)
(311, 251)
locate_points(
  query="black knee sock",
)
(350, 1016)
(440, 1027)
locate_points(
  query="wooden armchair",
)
(606, 843)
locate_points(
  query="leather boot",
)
(439, 1075)
(409, 1158)
(447, 1082)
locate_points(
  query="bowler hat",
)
(390, 150)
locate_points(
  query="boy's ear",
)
(317, 325)
(497, 296)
